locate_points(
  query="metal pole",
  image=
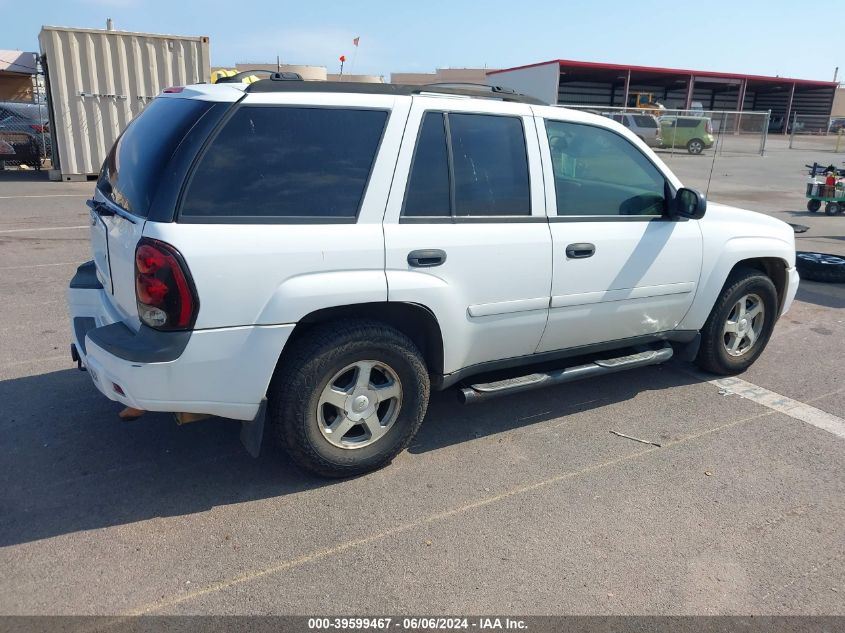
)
(765, 133)
(627, 89)
(794, 120)
(690, 92)
(788, 110)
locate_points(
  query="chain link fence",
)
(816, 133)
(692, 131)
(25, 141)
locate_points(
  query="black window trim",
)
(154, 212)
(273, 220)
(465, 219)
(668, 186)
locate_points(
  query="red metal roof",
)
(666, 71)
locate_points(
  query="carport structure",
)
(597, 84)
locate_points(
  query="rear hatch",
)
(126, 190)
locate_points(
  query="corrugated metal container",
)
(98, 80)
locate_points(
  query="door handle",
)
(426, 258)
(580, 250)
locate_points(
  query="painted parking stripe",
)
(52, 195)
(46, 228)
(39, 265)
(775, 401)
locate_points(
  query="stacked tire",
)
(820, 267)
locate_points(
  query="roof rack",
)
(239, 77)
(279, 83)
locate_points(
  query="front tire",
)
(348, 397)
(814, 205)
(740, 324)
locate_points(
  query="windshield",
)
(135, 164)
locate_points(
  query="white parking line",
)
(46, 228)
(793, 408)
(38, 265)
(51, 195)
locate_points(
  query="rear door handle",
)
(426, 258)
(580, 250)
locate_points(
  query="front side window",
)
(278, 162)
(599, 173)
(469, 165)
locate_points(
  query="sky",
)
(745, 36)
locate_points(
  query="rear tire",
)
(695, 146)
(814, 205)
(740, 323)
(831, 208)
(348, 397)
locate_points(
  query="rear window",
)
(137, 160)
(643, 120)
(282, 163)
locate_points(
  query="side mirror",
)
(688, 203)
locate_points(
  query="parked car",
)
(30, 119)
(694, 133)
(836, 125)
(645, 126)
(776, 125)
(320, 256)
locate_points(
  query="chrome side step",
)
(484, 391)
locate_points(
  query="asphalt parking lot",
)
(524, 505)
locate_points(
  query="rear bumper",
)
(222, 372)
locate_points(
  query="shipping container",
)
(98, 80)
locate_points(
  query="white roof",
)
(20, 62)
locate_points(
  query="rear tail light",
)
(39, 128)
(708, 125)
(164, 290)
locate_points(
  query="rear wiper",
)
(102, 209)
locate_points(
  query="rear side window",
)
(137, 160)
(428, 185)
(645, 121)
(290, 163)
(486, 170)
(689, 122)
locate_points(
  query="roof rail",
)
(278, 83)
(479, 90)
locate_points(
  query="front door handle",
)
(580, 250)
(426, 258)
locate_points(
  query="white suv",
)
(322, 255)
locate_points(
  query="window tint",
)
(287, 162)
(138, 158)
(489, 164)
(428, 185)
(689, 122)
(643, 120)
(597, 172)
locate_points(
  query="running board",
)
(484, 391)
